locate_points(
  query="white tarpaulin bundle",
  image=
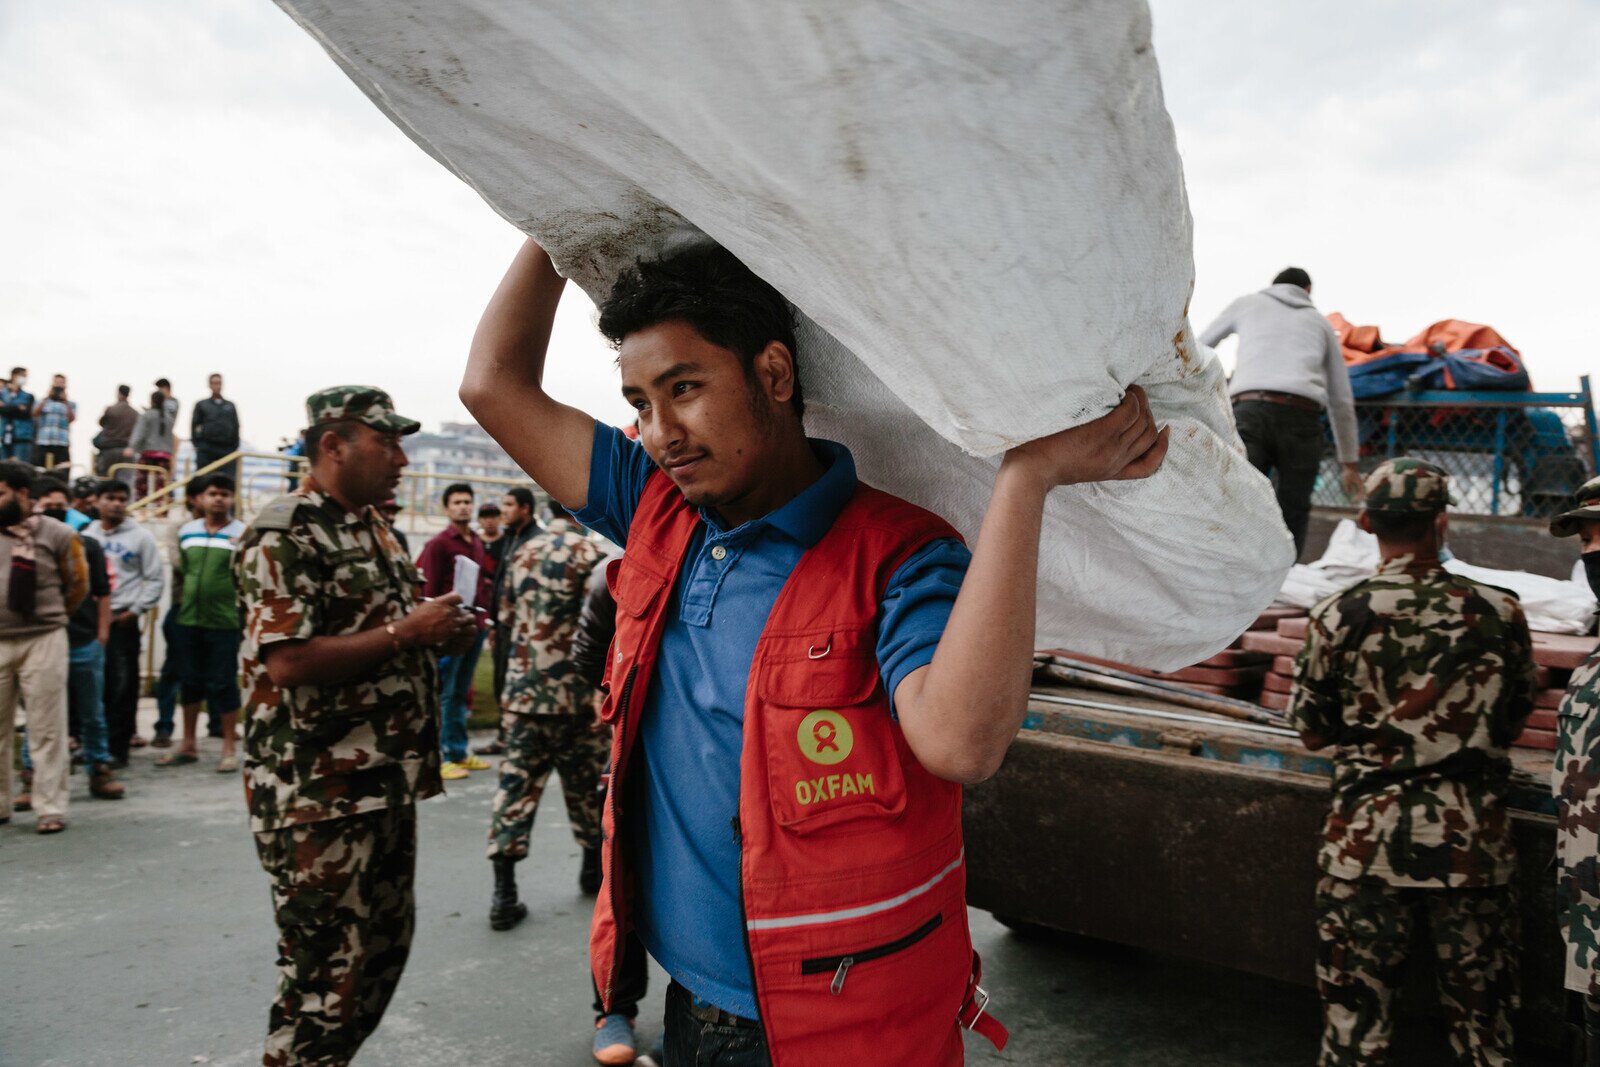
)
(977, 209)
(1551, 605)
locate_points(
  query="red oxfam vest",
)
(851, 866)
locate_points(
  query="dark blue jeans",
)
(693, 1043)
(171, 674)
(455, 681)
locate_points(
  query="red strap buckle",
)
(974, 1014)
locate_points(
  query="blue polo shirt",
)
(689, 913)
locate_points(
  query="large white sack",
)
(977, 208)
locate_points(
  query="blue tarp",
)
(1422, 370)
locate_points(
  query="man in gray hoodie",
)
(1289, 370)
(141, 579)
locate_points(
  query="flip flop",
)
(177, 759)
(50, 824)
(227, 764)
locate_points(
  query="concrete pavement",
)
(143, 936)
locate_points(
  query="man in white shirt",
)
(1289, 370)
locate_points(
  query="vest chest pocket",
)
(833, 753)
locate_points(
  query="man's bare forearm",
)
(964, 709)
(961, 712)
(328, 660)
(503, 385)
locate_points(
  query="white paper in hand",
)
(466, 582)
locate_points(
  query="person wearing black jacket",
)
(214, 429)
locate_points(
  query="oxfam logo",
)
(825, 737)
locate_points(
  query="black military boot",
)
(589, 873)
(505, 910)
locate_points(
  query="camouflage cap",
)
(362, 403)
(1407, 485)
(1585, 505)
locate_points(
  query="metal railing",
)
(262, 476)
(1508, 454)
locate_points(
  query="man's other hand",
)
(1354, 487)
(1122, 445)
(437, 623)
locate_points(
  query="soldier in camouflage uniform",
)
(1576, 779)
(546, 708)
(1420, 680)
(341, 738)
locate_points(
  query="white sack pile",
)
(978, 210)
(1551, 605)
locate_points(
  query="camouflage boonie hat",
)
(1407, 486)
(1585, 505)
(362, 403)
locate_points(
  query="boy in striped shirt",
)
(208, 628)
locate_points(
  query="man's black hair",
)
(46, 485)
(18, 370)
(345, 429)
(1401, 527)
(123, 391)
(488, 507)
(707, 287)
(17, 475)
(558, 510)
(1294, 276)
(452, 489)
(162, 383)
(112, 487)
(219, 481)
(522, 495)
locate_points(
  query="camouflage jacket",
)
(541, 596)
(1420, 679)
(308, 568)
(1576, 779)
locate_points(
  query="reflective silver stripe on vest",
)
(817, 918)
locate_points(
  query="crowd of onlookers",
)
(79, 576)
(136, 446)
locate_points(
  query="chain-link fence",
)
(1508, 454)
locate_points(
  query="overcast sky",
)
(192, 185)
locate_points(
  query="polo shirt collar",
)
(811, 513)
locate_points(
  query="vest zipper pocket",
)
(840, 965)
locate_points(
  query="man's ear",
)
(1363, 521)
(331, 445)
(774, 369)
(1441, 525)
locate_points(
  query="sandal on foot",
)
(227, 764)
(177, 759)
(50, 824)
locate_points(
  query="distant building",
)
(461, 451)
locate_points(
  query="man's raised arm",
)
(504, 382)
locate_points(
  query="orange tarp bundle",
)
(1362, 344)
(1453, 335)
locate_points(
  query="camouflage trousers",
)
(342, 896)
(1363, 936)
(535, 746)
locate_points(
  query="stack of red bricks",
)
(1555, 654)
(1234, 672)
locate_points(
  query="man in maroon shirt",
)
(438, 564)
